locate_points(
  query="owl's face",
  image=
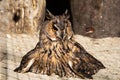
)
(58, 27)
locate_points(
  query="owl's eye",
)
(55, 27)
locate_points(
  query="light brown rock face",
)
(22, 16)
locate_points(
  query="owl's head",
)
(58, 27)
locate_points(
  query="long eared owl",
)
(57, 52)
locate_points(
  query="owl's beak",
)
(62, 35)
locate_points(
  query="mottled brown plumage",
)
(57, 52)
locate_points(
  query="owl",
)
(57, 52)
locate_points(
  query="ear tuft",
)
(66, 14)
(49, 15)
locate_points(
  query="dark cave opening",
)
(58, 7)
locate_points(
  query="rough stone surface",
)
(21, 16)
(96, 18)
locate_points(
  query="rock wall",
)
(21, 16)
(96, 18)
(93, 18)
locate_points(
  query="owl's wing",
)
(87, 64)
(28, 60)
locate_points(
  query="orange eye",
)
(55, 28)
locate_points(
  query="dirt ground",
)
(13, 47)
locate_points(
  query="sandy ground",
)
(13, 47)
